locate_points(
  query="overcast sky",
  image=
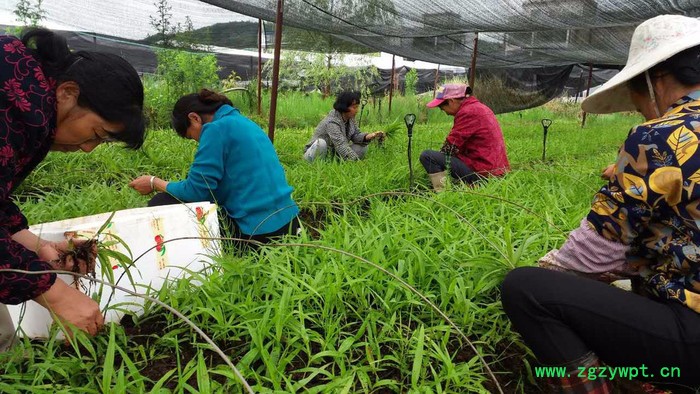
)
(123, 18)
(130, 19)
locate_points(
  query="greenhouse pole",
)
(579, 87)
(588, 90)
(391, 80)
(276, 69)
(259, 67)
(437, 76)
(472, 72)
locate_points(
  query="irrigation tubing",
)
(172, 310)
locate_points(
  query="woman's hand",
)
(608, 172)
(68, 305)
(377, 134)
(145, 184)
(54, 252)
(49, 252)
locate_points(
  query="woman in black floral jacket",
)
(53, 99)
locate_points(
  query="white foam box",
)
(145, 231)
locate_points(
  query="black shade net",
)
(528, 50)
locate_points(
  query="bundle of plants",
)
(393, 127)
(80, 258)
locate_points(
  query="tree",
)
(28, 15)
(299, 70)
(188, 38)
(358, 12)
(411, 82)
(161, 22)
(173, 36)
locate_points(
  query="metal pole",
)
(259, 67)
(472, 72)
(276, 70)
(588, 90)
(391, 81)
(578, 86)
(437, 74)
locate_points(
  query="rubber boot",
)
(438, 180)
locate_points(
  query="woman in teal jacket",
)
(235, 166)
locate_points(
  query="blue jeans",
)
(562, 317)
(434, 161)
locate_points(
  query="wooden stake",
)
(391, 81)
(276, 70)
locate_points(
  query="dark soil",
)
(362, 207)
(31, 193)
(314, 220)
(509, 367)
(147, 331)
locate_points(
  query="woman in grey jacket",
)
(338, 133)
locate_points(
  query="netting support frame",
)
(437, 77)
(260, 67)
(472, 71)
(392, 80)
(276, 70)
(588, 90)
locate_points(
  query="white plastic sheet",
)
(145, 231)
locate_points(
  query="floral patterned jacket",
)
(653, 202)
(27, 130)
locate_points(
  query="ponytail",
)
(109, 85)
(205, 102)
(209, 97)
(50, 49)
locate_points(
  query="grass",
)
(314, 318)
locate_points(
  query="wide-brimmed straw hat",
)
(653, 41)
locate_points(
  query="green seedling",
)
(393, 127)
(305, 319)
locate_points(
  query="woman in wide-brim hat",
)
(647, 218)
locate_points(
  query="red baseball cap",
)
(451, 90)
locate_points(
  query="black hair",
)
(108, 84)
(684, 66)
(205, 102)
(345, 100)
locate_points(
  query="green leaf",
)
(418, 357)
(108, 364)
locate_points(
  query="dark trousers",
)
(229, 227)
(561, 317)
(434, 161)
